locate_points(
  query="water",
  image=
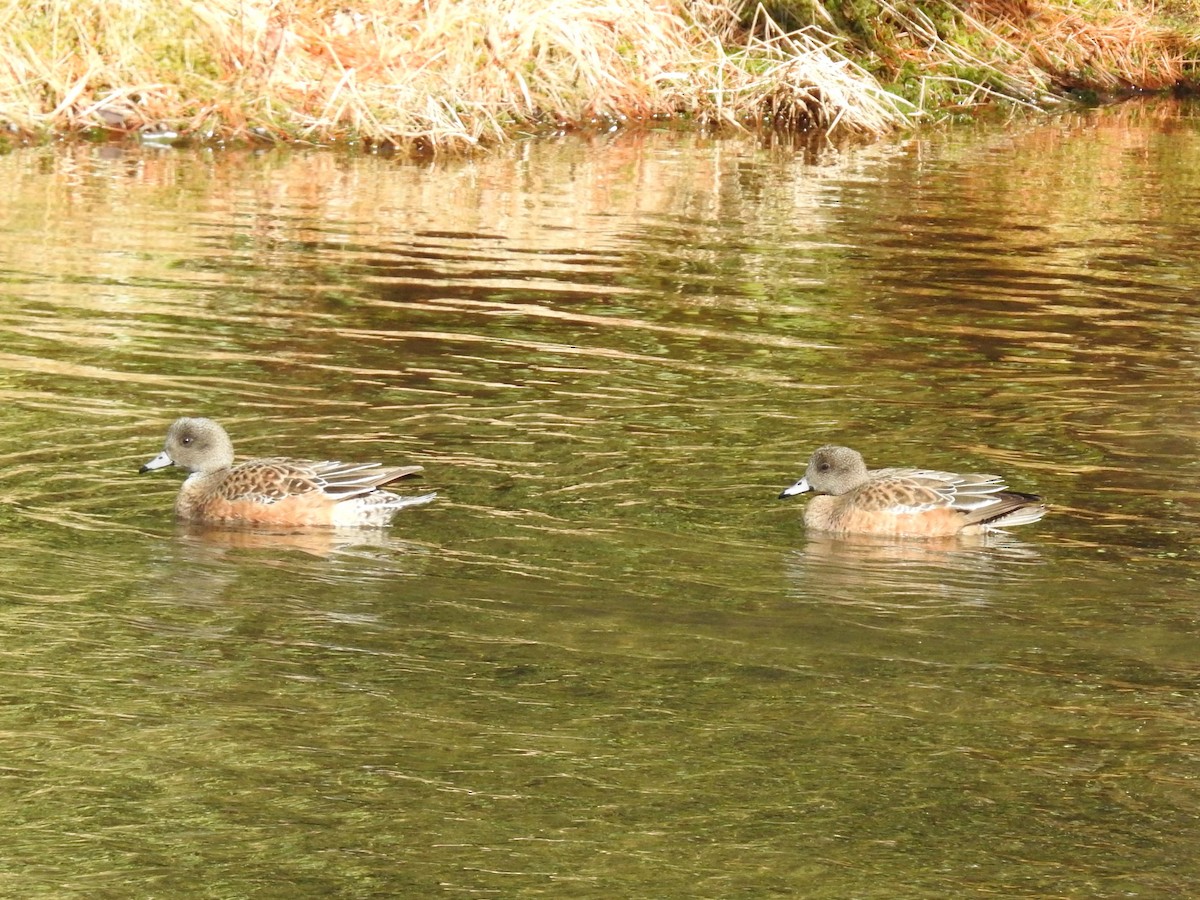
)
(607, 662)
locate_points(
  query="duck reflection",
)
(874, 570)
(319, 542)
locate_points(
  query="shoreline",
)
(448, 78)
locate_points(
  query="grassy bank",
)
(450, 75)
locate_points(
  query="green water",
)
(607, 661)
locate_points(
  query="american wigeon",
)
(275, 491)
(909, 502)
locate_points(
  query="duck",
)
(906, 502)
(275, 491)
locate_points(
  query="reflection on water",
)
(607, 662)
(949, 570)
(320, 542)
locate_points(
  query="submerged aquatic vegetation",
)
(442, 75)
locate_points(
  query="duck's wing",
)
(276, 479)
(983, 499)
(344, 480)
(917, 490)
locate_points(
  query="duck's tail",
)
(1014, 508)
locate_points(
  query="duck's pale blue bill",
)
(800, 487)
(159, 462)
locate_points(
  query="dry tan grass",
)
(1113, 47)
(1030, 51)
(438, 73)
(449, 75)
(799, 79)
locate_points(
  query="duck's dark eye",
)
(187, 440)
(824, 467)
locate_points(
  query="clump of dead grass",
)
(797, 79)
